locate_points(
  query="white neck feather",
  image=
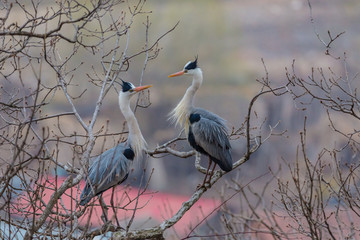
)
(184, 107)
(135, 138)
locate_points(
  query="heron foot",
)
(205, 185)
(104, 218)
(200, 186)
(208, 184)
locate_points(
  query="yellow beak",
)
(176, 74)
(140, 88)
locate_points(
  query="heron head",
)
(190, 68)
(129, 90)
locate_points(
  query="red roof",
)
(156, 206)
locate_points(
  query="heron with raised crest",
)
(113, 166)
(206, 132)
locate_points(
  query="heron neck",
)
(188, 99)
(135, 138)
(184, 107)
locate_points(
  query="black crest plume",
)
(126, 86)
(192, 65)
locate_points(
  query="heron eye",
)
(185, 71)
(131, 90)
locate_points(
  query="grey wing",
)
(211, 116)
(210, 134)
(109, 169)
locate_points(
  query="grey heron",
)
(112, 167)
(206, 132)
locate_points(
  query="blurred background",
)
(230, 39)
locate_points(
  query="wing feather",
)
(210, 133)
(109, 169)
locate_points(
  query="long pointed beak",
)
(176, 74)
(140, 88)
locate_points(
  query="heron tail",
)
(225, 163)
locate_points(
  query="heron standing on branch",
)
(112, 167)
(206, 131)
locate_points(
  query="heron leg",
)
(207, 173)
(113, 206)
(104, 209)
(211, 174)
